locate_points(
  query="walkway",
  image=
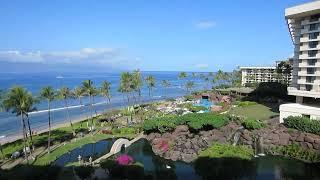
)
(116, 147)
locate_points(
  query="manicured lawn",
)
(49, 158)
(227, 151)
(258, 111)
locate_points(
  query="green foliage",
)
(245, 103)
(270, 89)
(227, 151)
(125, 130)
(189, 97)
(295, 151)
(84, 172)
(253, 124)
(194, 121)
(303, 124)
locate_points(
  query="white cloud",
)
(93, 56)
(205, 24)
(202, 66)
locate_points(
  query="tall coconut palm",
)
(137, 82)
(90, 91)
(151, 83)
(126, 85)
(189, 85)
(48, 93)
(165, 84)
(79, 94)
(105, 90)
(20, 102)
(64, 93)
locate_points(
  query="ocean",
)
(10, 125)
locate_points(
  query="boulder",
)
(181, 129)
(216, 108)
(309, 139)
(300, 138)
(284, 139)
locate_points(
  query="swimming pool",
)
(204, 103)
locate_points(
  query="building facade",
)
(304, 26)
(252, 75)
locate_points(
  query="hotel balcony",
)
(315, 93)
(306, 56)
(307, 21)
(306, 47)
(306, 39)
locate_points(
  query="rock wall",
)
(185, 146)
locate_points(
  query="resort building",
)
(252, 75)
(304, 26)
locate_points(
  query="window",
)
(312, 62)
(308, 87)
(300, 60)
(301, 44)
(313, 27)
(310, 70)
(313, 44)
(314, 18)
(301, 52)
(313, 35)
(312, 53)
(310, 79)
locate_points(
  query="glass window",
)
(313, 44)
(313, 27)
(312, 62)
(312, 53)
(313, 35)
(310, 70)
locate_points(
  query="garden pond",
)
(268, 167)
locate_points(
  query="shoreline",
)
(12, 138)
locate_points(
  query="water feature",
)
(93, 150)
(236, 136)
(268, 167)
(204, 103)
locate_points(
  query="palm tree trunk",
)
(24, 137)
(68, 116)
(81, 109)
(49, 124)
(29, 127)
(91, 109)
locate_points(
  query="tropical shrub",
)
(253, 124)
(303, 124)
(124, 160)
(193, 108)
(295, 151)
(195, 121)
(227, 151)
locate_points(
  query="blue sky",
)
(163, 35)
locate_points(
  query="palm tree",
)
(126, 85)
(165, 84)
(189, 86)
(182, 75)
(151, 82)
(79, 93)
(19, 101)
(89, 90)
(48, 93)
(137, 82)
(194, 75)
(105, 90)
(64, 93)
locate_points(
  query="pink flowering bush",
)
(124, 160)
(164, 145)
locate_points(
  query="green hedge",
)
(194, 121)
(227, 151)
(252, 124)
(295, 151)
(303, 124)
